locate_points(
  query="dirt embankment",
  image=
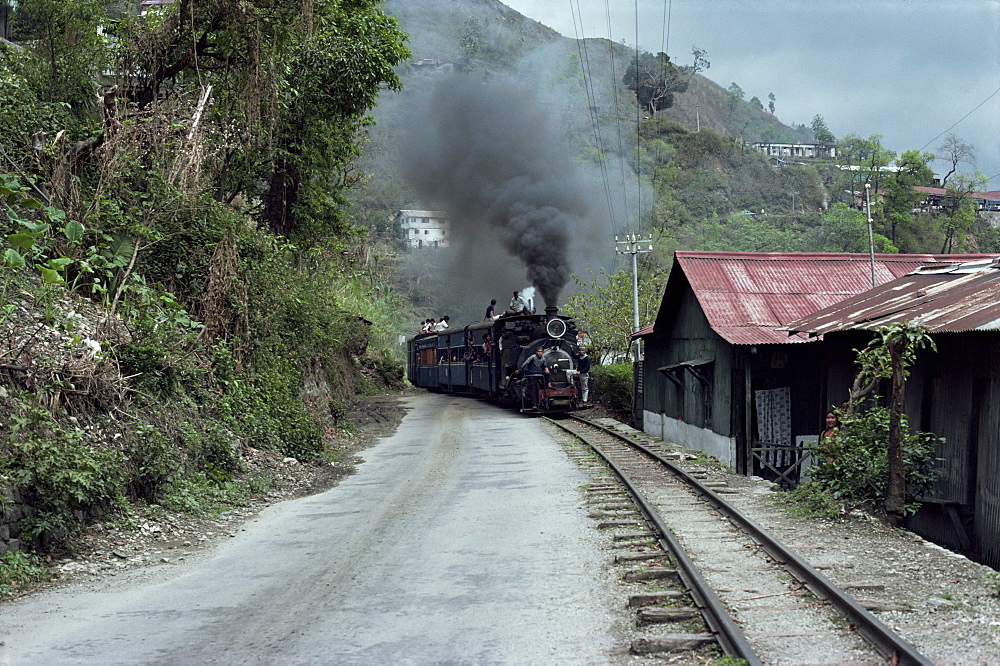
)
(159, 536)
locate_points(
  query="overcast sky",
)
(905, 69)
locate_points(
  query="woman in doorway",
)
(832, 425)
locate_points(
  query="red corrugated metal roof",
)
(746, 296)
(952, 300)
(643, 332)
(940, 191)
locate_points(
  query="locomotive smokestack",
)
(551, 311)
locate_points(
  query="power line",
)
(664, 48)
(618, 120)
(668, 7)
(638, 121)
(591, 102)
(992, 95)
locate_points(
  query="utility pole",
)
(871, 235)
(631, 246)
(697, 116)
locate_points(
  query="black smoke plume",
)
(493, 155)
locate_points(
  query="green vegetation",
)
(19, 571)
(613, 386)
(199, 289)
(852, 470)
(604, 305)
(875, 458)
(993, 581)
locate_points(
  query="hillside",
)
(182, 294)
(557, 112)
(505, 76)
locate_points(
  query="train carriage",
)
(483, 358)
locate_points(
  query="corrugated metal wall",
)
(954, 393)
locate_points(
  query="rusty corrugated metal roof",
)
(747, 296)
(953, 300)
(642, 332)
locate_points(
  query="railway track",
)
(758, 601)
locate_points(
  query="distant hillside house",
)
(803, 150)
(425, 228)
(433, 65)
(932, 198)
(146, 5)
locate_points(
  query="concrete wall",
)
(690, 437)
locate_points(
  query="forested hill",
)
(485, 39)
(700, 182)
(710, 187)
(182, 291)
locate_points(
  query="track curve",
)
(656, 482)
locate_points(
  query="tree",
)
(67, 52)
(756, 103)
(899, 195)
(864, 162)
(655, 79)
(770, 103)
(955, 151)
(958, 209)
(471, 41)
(844, 229)
(734, 96)
(603, 307)
(821, 133)
(888, 356)
(290, 93)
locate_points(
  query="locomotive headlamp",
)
(555, 328)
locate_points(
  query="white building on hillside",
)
(803, 150)
(425, 228)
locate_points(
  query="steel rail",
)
(730, 637)
(886, 642)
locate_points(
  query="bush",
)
(270, 414)
(852, 469)
(19, 571)
(59, 473)
(613, 386)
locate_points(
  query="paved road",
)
(455, 542)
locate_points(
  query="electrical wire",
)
(668, 6)
(618, 121)
(638, 121)
(591, 102)
(992, 95)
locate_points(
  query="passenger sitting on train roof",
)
(491, 311)
(426, 326)
(443, 324)
(516, 306)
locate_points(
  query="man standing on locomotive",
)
(536, 370)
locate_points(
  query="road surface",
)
(460, 539)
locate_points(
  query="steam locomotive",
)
(482, 359)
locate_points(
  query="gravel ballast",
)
(941, 602)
